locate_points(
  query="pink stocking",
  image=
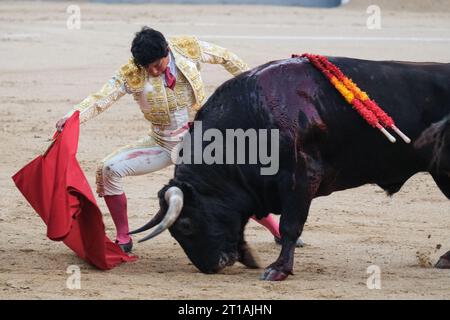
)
(270, 223)
(117, 205)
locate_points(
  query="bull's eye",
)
(184, 225)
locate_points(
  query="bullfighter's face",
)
(157, 68)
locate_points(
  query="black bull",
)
(324, 146)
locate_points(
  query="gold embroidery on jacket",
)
(134, 76)
(98, 102)
(192, 75)
(219, 55)
(187, 46)
(188, 92)
(158, 102)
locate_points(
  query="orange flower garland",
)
(369, 110)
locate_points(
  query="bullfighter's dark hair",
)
(148, 46)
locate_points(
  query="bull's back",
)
(301, 100)
(293, 96)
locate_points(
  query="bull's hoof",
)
(444, 261)
(272, 274)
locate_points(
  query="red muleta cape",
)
(55, 186)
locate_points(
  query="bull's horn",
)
(153, 222)
(174, 198)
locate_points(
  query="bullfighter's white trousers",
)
(142, 157)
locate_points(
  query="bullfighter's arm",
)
(101, 100)
(211, 53)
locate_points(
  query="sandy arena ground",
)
(46, 68)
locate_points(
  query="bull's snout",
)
(226, 260)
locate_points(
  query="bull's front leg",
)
(295, 205)
(245, 253)
(247, 257)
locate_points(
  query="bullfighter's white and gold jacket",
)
(156, 101)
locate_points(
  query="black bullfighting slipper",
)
(126, 247)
